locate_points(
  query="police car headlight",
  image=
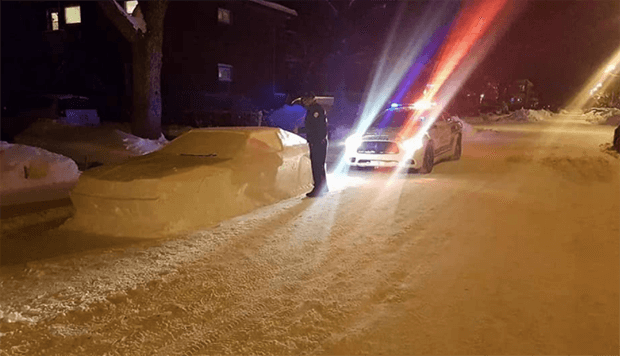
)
(413, 144)
(353, 142)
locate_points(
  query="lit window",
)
(223, 16)
(73, 15)
(130, 6)
(54, 26)
(224, 73)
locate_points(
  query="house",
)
(218, 56)
(222, 57)
(52, 47)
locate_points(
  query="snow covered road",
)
(512, 249)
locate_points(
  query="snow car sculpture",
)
(199, 179)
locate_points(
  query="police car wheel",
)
(429, 157)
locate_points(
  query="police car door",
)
(441, 134)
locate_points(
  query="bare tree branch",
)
(126, 24)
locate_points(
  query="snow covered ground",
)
(511, 250)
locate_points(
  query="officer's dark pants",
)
(318, 151)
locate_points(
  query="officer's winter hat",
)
(305, 95)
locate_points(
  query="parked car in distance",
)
(71, 109)
(394, 139)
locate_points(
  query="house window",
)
(224, 73)
(52, 20)
(130, 6)
(73, 15)
(223, 16)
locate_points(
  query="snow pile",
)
(539, 115)
(141, 146)
(173, 131)
(26, 172)
(524, 115)
(603, 116)
(108, 143)
(521, 115)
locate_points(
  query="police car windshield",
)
(393, 118)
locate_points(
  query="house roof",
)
(275, 6)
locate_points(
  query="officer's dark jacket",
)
(316, 123)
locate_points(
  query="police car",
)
(412, 137)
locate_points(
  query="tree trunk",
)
(147, 63)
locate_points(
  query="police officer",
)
(316, 133)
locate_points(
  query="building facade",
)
(218, 56)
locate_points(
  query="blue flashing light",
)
(394, 105)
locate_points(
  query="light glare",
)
(423, 105)
(412, 145)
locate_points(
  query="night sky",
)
(557, 45)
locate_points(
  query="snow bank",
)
(603, 116)
(33, 174)
(200, 179)
(105, 144)
(522, 115)
(539, 115)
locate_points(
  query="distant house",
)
(223, 56)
